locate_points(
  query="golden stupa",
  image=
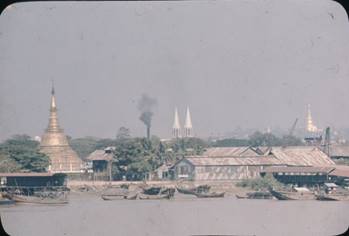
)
(54, 144)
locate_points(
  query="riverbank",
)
(229, 187)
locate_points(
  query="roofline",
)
(30, 174)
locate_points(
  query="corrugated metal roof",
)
(100, 155)
(339, 151)
(229, 151)
(302, 156)
(298, 169)
(341, 171)
(232, 161)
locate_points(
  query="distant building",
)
(339, 152)
(232, 151)
(54, 144)
(310, 175)
(188, 126)
(313, 133)
(176, 128)
(102, 163)
(301, 156)
(32, 179)
(300, 175)
(222, 168)
(233, 163)
(187, 131)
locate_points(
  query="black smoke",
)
(146, 106)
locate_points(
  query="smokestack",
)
(146, 105)
(148, 132)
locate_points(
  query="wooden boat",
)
(324, 197)
(279, 195)
(186, 190)
(332, 197)
(241, 196)
(194, 190)
(255, 195)
(132, 196)
(259, 195)
(112, 197)
(152, 190)
(153, 197)
(292, 195)
(37, 200)
(210, 195)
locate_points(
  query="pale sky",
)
(248, 64)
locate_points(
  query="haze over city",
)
(232, 69)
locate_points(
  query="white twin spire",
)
(176, 128)
(188, 126)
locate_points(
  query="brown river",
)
(90, 215)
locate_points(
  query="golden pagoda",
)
(54, 144)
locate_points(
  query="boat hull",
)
(153, 197)
(210, 195)
(37, 200)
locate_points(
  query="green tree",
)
(231, 142)
(84, 146)
(24, 151)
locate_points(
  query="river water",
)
(90, 215)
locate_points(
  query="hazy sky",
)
(251, 64)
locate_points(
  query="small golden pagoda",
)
(54, 144)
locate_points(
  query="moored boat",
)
(112, 197)
(255, 195)
(37, 200)
(153, 197)
(300, 194)
(193, 190)
(238, 196)
(332, 197)
(210, 195)
(324, 197)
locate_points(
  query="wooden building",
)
(300, 175)
(223, 168)
(32, 179)
(246, 162)
(102, 163)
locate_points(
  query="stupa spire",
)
(53, 125)
(310, 125)
(54, 144)
(188, 126)
(176, 128)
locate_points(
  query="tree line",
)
(134, 157)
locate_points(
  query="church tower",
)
(55, 144)
(188, 126)
(176, 128)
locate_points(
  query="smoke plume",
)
(146, 106)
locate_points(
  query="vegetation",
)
(21, 153)
(262, 183)
(135, 157)
(84, 146)
(259, 139)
